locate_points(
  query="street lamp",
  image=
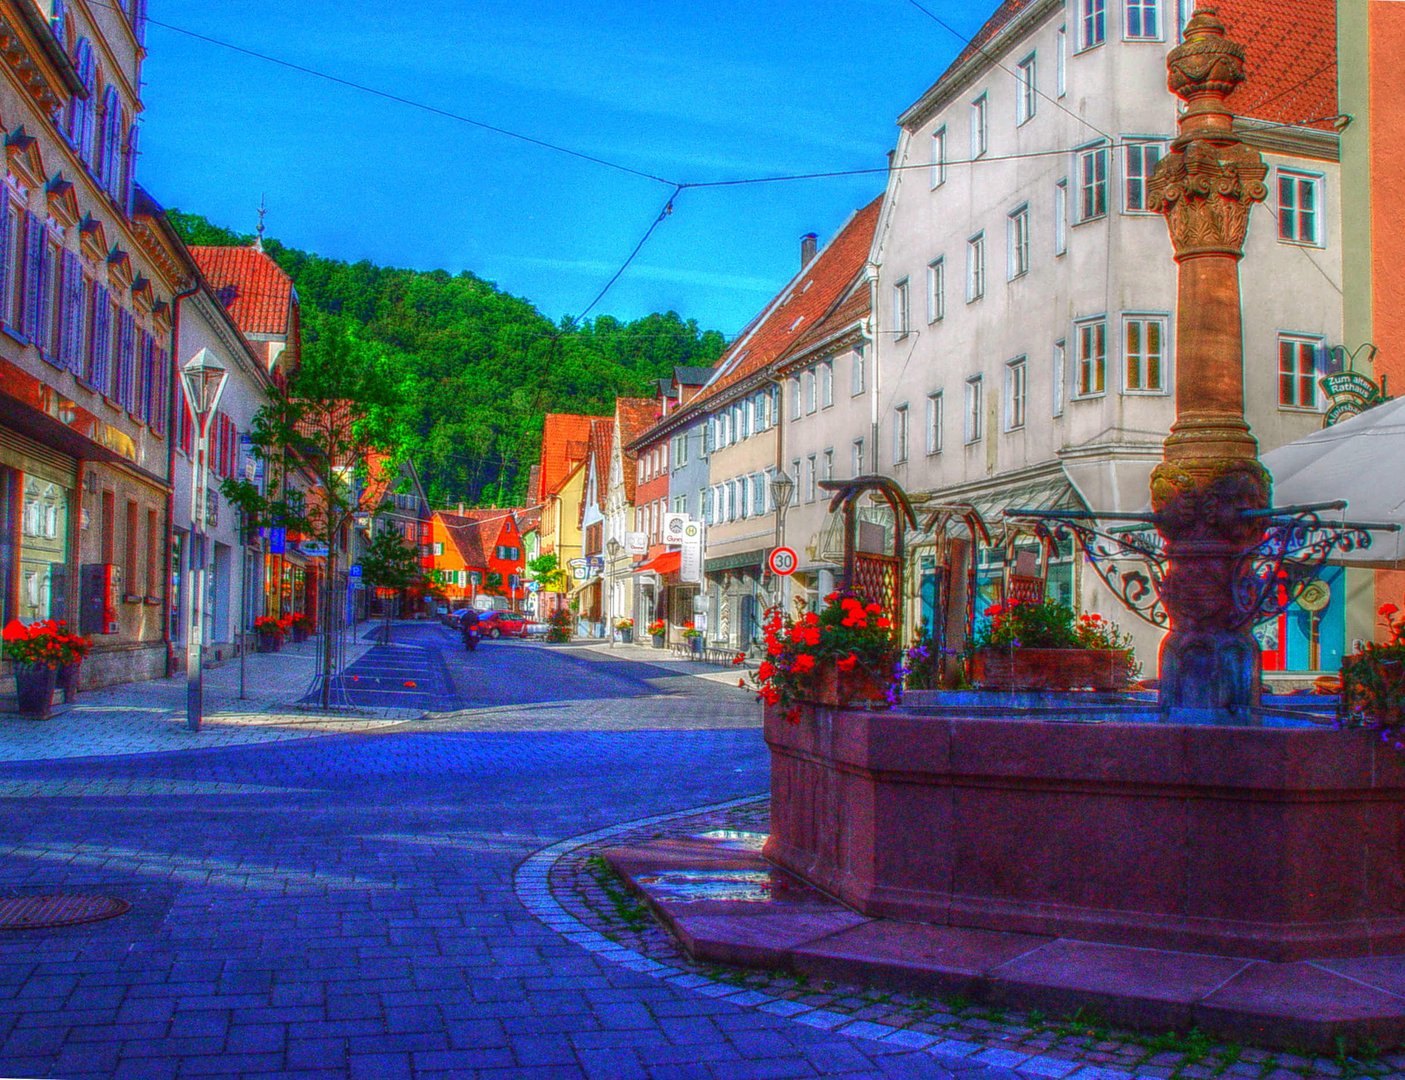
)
(203, 379)
(613, 548)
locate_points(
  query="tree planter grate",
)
(41, 912)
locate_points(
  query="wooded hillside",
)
(477, 367)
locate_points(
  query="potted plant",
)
(1045, 646)
(845, 654)
(301, 625)
(693, 636)
(657, 629)
(559, 630)
(625, 629)
(38, 651)
(1373, 683)
(270, 633)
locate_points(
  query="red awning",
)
(665, 562)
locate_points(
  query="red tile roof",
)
(845, 314)
(1290, 59)
(1290, 55)
(808, 298)
(564, 445)
(633, 417)
(465, 535)
(602, 434)
(255, 290)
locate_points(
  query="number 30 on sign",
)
(782, 561)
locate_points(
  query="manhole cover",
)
(38, 912)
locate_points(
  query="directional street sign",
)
(782, 561)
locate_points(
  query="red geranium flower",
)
(848, 663)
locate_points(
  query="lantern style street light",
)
(203, 379)
(782, 491)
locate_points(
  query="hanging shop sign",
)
(1350, 393)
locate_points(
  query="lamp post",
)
(612, 550)
(204, 379)
(782, 491)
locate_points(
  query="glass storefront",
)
(39, 568)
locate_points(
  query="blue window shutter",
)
(126, 339)
(73, 313)
(33, 306)
(102, 341)
(129, 168)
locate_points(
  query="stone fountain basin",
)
(1283, 841)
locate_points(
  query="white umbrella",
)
(1361, 460)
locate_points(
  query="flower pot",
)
(855, 687)
(626, 636)
(695, 644)
(68, 680)
(268, 643)
(658, 640)
(1049, 669)
(299, 635)
(34, 690)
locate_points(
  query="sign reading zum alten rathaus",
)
(1349, 393)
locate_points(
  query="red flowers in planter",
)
(47, 643)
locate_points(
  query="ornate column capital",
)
(1209, 181)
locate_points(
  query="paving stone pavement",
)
(149, 717)
(344, 906)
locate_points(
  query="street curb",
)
(532, 885)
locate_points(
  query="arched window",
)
(80, 126)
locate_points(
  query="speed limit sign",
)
(782, 561)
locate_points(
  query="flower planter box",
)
(658, 640)
(68, 681)
(626, 637)
(268, 643)
(1049, 669)
(695, 644)
(34, 690)
(858, 687)
(299, 635)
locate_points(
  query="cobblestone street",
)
(344, 905)
(383, 897)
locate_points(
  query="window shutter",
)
(32, 274)
(158, 417)
(5, 241)
(129, 168)
(102, 341)
(126, 336)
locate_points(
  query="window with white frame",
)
(1144, 353)
(1016, 393)
(1184, 10)
(1061, 61)
(1142, 20)
(936, 290)
(758, 493)
(1059, 375)
(1017, 243)
(1298, 361)
(975, 267)
(856, 460)
(935, 422)
(811, 400)
(975, 408)
(902, 309)
(1092, 357)
(795, 410)
(1092, 182)
(856, 372)
(810, 477)
(939, 157)
(900, 434)
(743, 420)
(1026, 90)
(826, 384)
(1299, 207)
(1092, 23)
(980, 130)
(827, 465)
(724, 424)
(1061, 218)
(1139, 159)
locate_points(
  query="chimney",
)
(460, 509)
(809, 243)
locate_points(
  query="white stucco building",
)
(1024, 304)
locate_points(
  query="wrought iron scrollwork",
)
(1130, 562)
(1295, 548)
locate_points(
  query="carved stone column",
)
(1210, 472)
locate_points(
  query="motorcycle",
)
(471, 634)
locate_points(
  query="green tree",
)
(338, 408)
(389, 562)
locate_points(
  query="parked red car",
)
(496, 624)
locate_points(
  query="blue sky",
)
(691, 93)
